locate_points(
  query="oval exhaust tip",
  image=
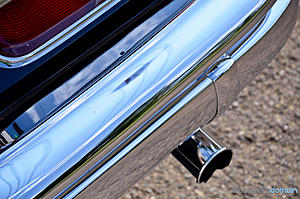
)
(202, 155)
(220, 160)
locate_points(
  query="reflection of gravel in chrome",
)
(263, 129)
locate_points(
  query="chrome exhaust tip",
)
(202, 155)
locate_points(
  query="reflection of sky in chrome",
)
(94, 117)
(48, 104)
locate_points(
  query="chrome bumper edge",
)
(111, 134)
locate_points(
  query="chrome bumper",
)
(126, 122)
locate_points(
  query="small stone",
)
(235, 104)
(297, 114)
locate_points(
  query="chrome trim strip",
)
(5, 138)
(240, 75)
(57, 99)
(154, 148)
(142, 124)
(124, 107)
(198, 90)
(272, 16)
(16, 62)
(3, 2)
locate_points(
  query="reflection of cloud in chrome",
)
(33, 114)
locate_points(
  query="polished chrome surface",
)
(121, 154)
(3, 2)
(203, 86)
(202, 155)
(154, 149)
(248, 65)
(5, 138)
(51, 103)
(110, 121)
(268, 22)
(16, 62)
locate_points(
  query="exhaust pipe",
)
(201, 155)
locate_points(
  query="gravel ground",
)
(262, 127)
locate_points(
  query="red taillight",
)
(27, 24)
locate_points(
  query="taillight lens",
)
(27, 24)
